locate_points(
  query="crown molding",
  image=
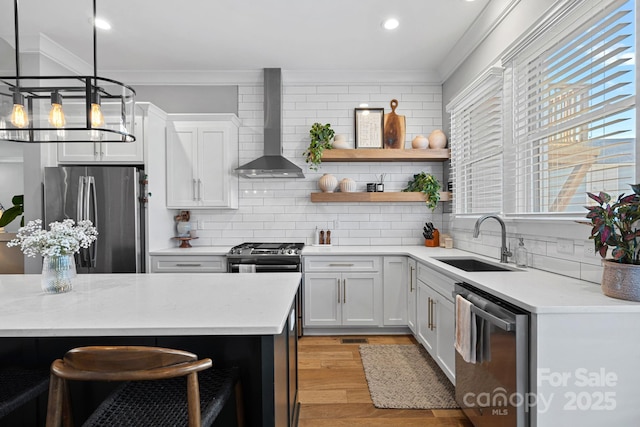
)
(492, 15)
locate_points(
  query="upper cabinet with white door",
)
(130, 153)
(202, 154)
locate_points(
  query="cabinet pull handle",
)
(188, 265)
(344, 291)
(340, 265)
(195, 189)
(429, 311)
(338, 290)
(433, 317)
(411, 279)
(199, 189)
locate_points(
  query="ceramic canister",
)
(340, 141)
(420, 142)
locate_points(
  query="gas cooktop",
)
(253, 248)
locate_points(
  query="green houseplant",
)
(427, 184)
(321, 136)
(13, 212)
(614, 227)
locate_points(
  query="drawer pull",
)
(188, 265)
(341, 265)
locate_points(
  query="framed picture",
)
(369, 125)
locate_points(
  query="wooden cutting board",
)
(394, 128)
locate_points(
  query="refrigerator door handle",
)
(91, 190)
(80, 203)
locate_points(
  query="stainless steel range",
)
(265, 257)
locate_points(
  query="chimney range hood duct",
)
(272, 164)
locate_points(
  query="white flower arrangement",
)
(63, 238)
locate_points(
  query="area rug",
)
(405, 377)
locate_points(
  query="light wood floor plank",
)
(333, 390)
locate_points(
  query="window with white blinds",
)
(476, 142)
(573, 115)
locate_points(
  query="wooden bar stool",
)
(153, 392)
(20, 385)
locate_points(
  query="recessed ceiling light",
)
(391, 24)
(102, 24)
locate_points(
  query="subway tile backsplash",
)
(277, 209)
(281, 209)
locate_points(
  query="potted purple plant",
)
(615, 228)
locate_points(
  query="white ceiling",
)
(205, 35)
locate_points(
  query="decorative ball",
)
(340, 141)
(347, 185)
(437, 139)
(420, 142)
(327, 183)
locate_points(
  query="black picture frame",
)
(369, 127)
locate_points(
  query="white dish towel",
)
(465, 330)
(247, 268)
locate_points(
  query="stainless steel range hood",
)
(272, 164)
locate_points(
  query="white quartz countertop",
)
(534, 290)
(148, 305)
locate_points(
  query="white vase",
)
(328, 183)
(58, 273)
(420, 142)
(340, 141)
(347, 185)
(437, 139)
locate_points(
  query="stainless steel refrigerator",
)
(109, 196)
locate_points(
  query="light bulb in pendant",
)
(56, 114)
(19, 116)
(97, 119)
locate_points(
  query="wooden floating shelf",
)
(386, 155)
(394, 196)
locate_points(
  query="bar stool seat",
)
(154, 392)
(20, 385)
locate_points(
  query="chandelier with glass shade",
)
(41, 109)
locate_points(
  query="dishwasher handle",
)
(505, 325)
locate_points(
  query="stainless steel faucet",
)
(505, 253)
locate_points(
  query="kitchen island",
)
(245, 320)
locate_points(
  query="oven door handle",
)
(269, 267)
(494, 320)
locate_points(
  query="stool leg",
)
(239, 404)
(54, 404)
(193, 399)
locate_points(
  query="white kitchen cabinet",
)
(202, 154)
(412, 295)
(106, 152)
(342, 292)
(395, 289)
(188, 264)
(436, 318)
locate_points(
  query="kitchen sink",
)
(475, 264)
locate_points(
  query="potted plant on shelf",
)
(321, 136)
(427, 184)
(614, 227)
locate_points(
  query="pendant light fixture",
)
(95, 108)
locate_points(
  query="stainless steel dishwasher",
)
(493, 390)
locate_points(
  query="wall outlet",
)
(565, 246)
(589, 249)
(200, 224)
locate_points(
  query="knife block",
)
(435, 242)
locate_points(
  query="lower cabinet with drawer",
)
(436, 318)
(341, 291)
(188, 264)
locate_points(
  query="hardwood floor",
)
(333, 390)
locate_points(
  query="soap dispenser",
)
(521, 254)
